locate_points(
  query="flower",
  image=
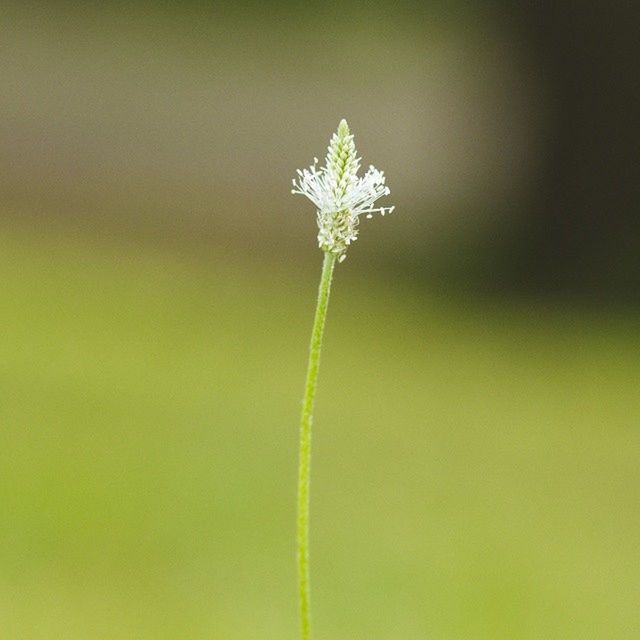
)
(339, 194)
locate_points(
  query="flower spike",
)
(339, 195)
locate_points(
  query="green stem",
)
(305, 442)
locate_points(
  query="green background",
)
(475, 467)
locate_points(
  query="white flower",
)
(339, 194)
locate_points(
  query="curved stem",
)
(305, 443)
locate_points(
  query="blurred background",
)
(476, 451)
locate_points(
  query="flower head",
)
(339, 194)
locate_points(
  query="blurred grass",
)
(475, 468)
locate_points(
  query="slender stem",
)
(305, 443)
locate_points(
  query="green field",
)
(476, 466)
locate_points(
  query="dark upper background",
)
(506, 131)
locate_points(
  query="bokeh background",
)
(476, 451)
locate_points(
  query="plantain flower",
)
(339, 194)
